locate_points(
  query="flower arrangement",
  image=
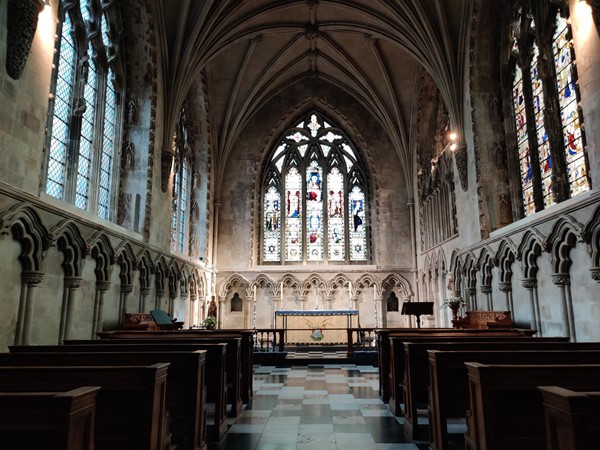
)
(210, 323)
(454, 302)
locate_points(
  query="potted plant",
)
(210, 323)
(454, 303)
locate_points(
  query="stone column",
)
(471, 298)
(506, 287)
(563, 281)
(160, 293)
(144, 292)
(249, 310)
(327, 302)
(29, 280)
(221, 311)
(531, 285)
(486, 290)
(71, 284)
(302, 302)
(101, 288)
(353, 302)
(193, 317)
(172, 298)
(202, 299)
(126, 289)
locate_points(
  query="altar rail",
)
(273, 340)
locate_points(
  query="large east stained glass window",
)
(84, 114)
(540, 68)
(314, 197)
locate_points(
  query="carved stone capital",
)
(529, 283)
(193, 297)
(595, 273)
(21, 24)
(302, 298)
(505, 286)
(145, 291)
(103, 286)
(32, 278)
(160, 293)
(72, 282)
(561, 279)
(486, 289)
(470, 291)
(126, 288)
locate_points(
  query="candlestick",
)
(254, 292)
(374, 292)
(281, 292)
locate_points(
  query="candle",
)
(254, 292)
(281, 292)
(350, 288)
(374, 292)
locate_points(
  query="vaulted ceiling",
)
(251, 50)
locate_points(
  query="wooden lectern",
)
(417, 309)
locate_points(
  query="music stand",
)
(417, 309)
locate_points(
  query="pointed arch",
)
(73, 246)
(264, 281)
(26, 227)
(506, 256)
(395, 280)
(104, 255)
(529, 250)
(313, 281)
(235, 282)
(565, 234)
(127, 263)
(146, 268)
(161, 273)
(591, 235)
(486, 262)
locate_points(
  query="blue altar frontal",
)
(317, 326)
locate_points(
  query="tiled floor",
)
(327, 407)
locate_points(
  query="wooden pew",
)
(48, 420)
(185, 392)
(506, 408)
(397, 356)
(484, 320)
(130, 406)
(448, 385)
(572, 418)
(215, 370)
(383, 346)
(247, 347)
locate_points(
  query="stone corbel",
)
(22, 19)
(460, 155)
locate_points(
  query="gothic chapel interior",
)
(297, 155)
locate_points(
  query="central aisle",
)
(319, 407)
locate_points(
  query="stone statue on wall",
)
(131, 108)
(129, 156)
(212, 309)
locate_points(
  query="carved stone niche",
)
(22, 19)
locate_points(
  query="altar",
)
(317, 327)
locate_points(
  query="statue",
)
(212, 309)
(131, 106)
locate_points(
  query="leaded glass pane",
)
(183, 207)
(358, 231)
(567, 98)
(293, 215)
(314, 125)
(544, 156)
(314, 212)
(272, 227)
(523, 143)
(108, 143)
(335, 215)
(55, 182)
(175, 206)
(86, 137)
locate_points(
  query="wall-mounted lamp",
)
(22, 19)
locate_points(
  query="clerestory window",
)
(85, 109)
(314, 197)
(549, 141)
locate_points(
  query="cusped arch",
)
(313, 281)
(397, 281)
(104, 255)
(127, 262)
(161, 271)
(486, 263)
(506, 256)
(565, 234)
(264, 281)
(26, 227)
(73, 247)
(146, 268)
(529, 250)
(237, 283)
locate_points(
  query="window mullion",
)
(97, 141)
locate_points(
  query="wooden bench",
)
(185, 395)
(48, 420)
(506, 408)
(448, 379)
(572, 418)
(130, 406)
(480, 320)
(397, 356)
(247, 347)
(383, 346)
(215, 370)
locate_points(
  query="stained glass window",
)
(316, 175)
(181, 186)
(569, 113)
(84, 111)
(540, 156)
